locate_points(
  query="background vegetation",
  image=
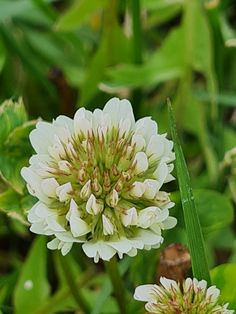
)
(60, 55)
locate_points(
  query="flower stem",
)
(72, 284)
(137, 33)
(117, 283)
(137, 46)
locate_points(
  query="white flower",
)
(170, 297)
(97, 178)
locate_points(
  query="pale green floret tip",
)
(192, 297)
(98, 180)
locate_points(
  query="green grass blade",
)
(192, 224)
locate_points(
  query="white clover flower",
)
(170, 297)
(98, 178)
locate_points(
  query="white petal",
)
(42, 137)
(93, 207)
(53, 224)
(148, 216)
(133, 252)
(49, 186)
(64, 166)
(146, 127)
(34, 181)
(113, 198)
(141, 162)
(100, 249)
(123, 245)
(161, 173)
(129, 217)
(108, 228)
(53, 245)
(151, 188)
(148, 237)
(213, 293)
(82, 126)
(187, 284)
(39, 228)
(66, 248)
(124, 127)
(138, 188)
(119, 110)
(67, 237)
(168, 283)
(63, 191)
(145, 293)
(64, 121)
(169, 223)
(155, 146)
(139, 141)
(86, 190)
(78, 226)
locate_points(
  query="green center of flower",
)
(99, 172)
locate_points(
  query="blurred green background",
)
(60, 55)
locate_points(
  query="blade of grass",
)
(192, 224)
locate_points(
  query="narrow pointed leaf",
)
(192, 224)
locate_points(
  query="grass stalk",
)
(192, 223)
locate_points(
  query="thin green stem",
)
(117, 283)
(72, 284)
(137, 33)
(137, 46)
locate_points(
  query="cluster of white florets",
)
(170, 297)
(97, 178)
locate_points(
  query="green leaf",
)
(224, 277)
(107, 54)
(192, 224)
(32, 289)
(160, 4)
(198, 47)
(12, 115)
(78, 14)
(15, 154)
(162, 66)
(214, 209)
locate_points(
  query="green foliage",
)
(215, 210)
(15, 147)
(32, 288)
(224, 277)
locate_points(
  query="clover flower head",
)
(170, 297)
(97, 178)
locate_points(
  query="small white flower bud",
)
(78, 226)
(108, 228)
(96, 186)
(137, 190)
(64, 166)
(86, 190)
(63, 191)
(82, 175)
(112, 198)
(129, 217)
(93, 206)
